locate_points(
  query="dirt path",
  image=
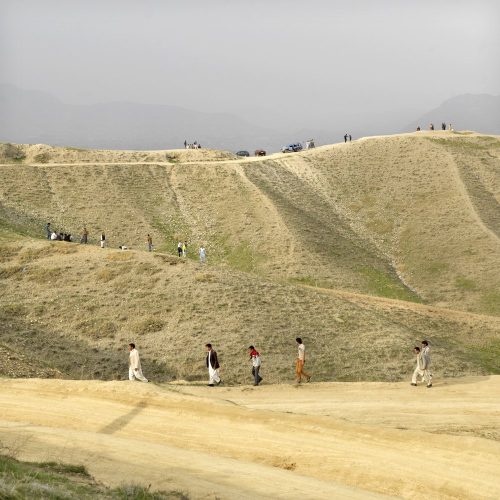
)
(351, 440)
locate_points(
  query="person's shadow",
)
(122, 421)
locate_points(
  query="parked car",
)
(242, 153)
(260, 152)
(292, 148)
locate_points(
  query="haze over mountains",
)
(34, 117)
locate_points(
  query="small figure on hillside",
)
(103, 240)
(185, 144)
(345, 138)
(184, 249)
(49, 230)
(450, 128)
(134, 365)
(213, 366)
(179, 249)
(85, 235)
(350, 137)
(53, 236)
(299, 364)
(203, 255)
(443, 126)
(418, 128)
(426, 362)
(256, 363)
(149, 242)
(431, 126)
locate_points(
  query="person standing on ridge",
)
(179, 249)
(256, 363)
(299, 364)
(345, 138)
(103, 240)
(134, 365)
(149, 241)
(184, 249)
(49, 230)
(213, 366)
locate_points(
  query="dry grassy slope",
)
(382, 215)
(74, 309)
(379, 216)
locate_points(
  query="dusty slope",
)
(383, 215)
(316, 441)
(74, 308)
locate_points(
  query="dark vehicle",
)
(260, 152)
(292, 148)
(242, 153)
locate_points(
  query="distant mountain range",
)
(37, 117)
(33, 117)
(478, 112)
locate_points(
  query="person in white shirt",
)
(256, 363)
(134, 365)
(203, 255)
(426, 362)
(418, 370)
(301, 359)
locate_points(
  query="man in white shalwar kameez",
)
(134, 365)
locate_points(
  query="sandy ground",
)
(329, 440)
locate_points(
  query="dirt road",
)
(331, 440)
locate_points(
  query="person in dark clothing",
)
(345, 138)
(213, 366)
(49, 230)
(350, 138)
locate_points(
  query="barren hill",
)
(360, 248)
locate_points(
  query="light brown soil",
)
(331, 440)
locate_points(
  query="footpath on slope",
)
(330, 440)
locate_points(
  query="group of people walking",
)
(212, 364)
(422, 369)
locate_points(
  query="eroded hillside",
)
(361, 248)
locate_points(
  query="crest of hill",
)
(338, 245)
(42, 153)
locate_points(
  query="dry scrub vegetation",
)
(361, 249)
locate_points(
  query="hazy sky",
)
(274, 61)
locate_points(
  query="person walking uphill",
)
(134, 365)
(213, 366)
(256, 363)
(149, 242)
(299, 364)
